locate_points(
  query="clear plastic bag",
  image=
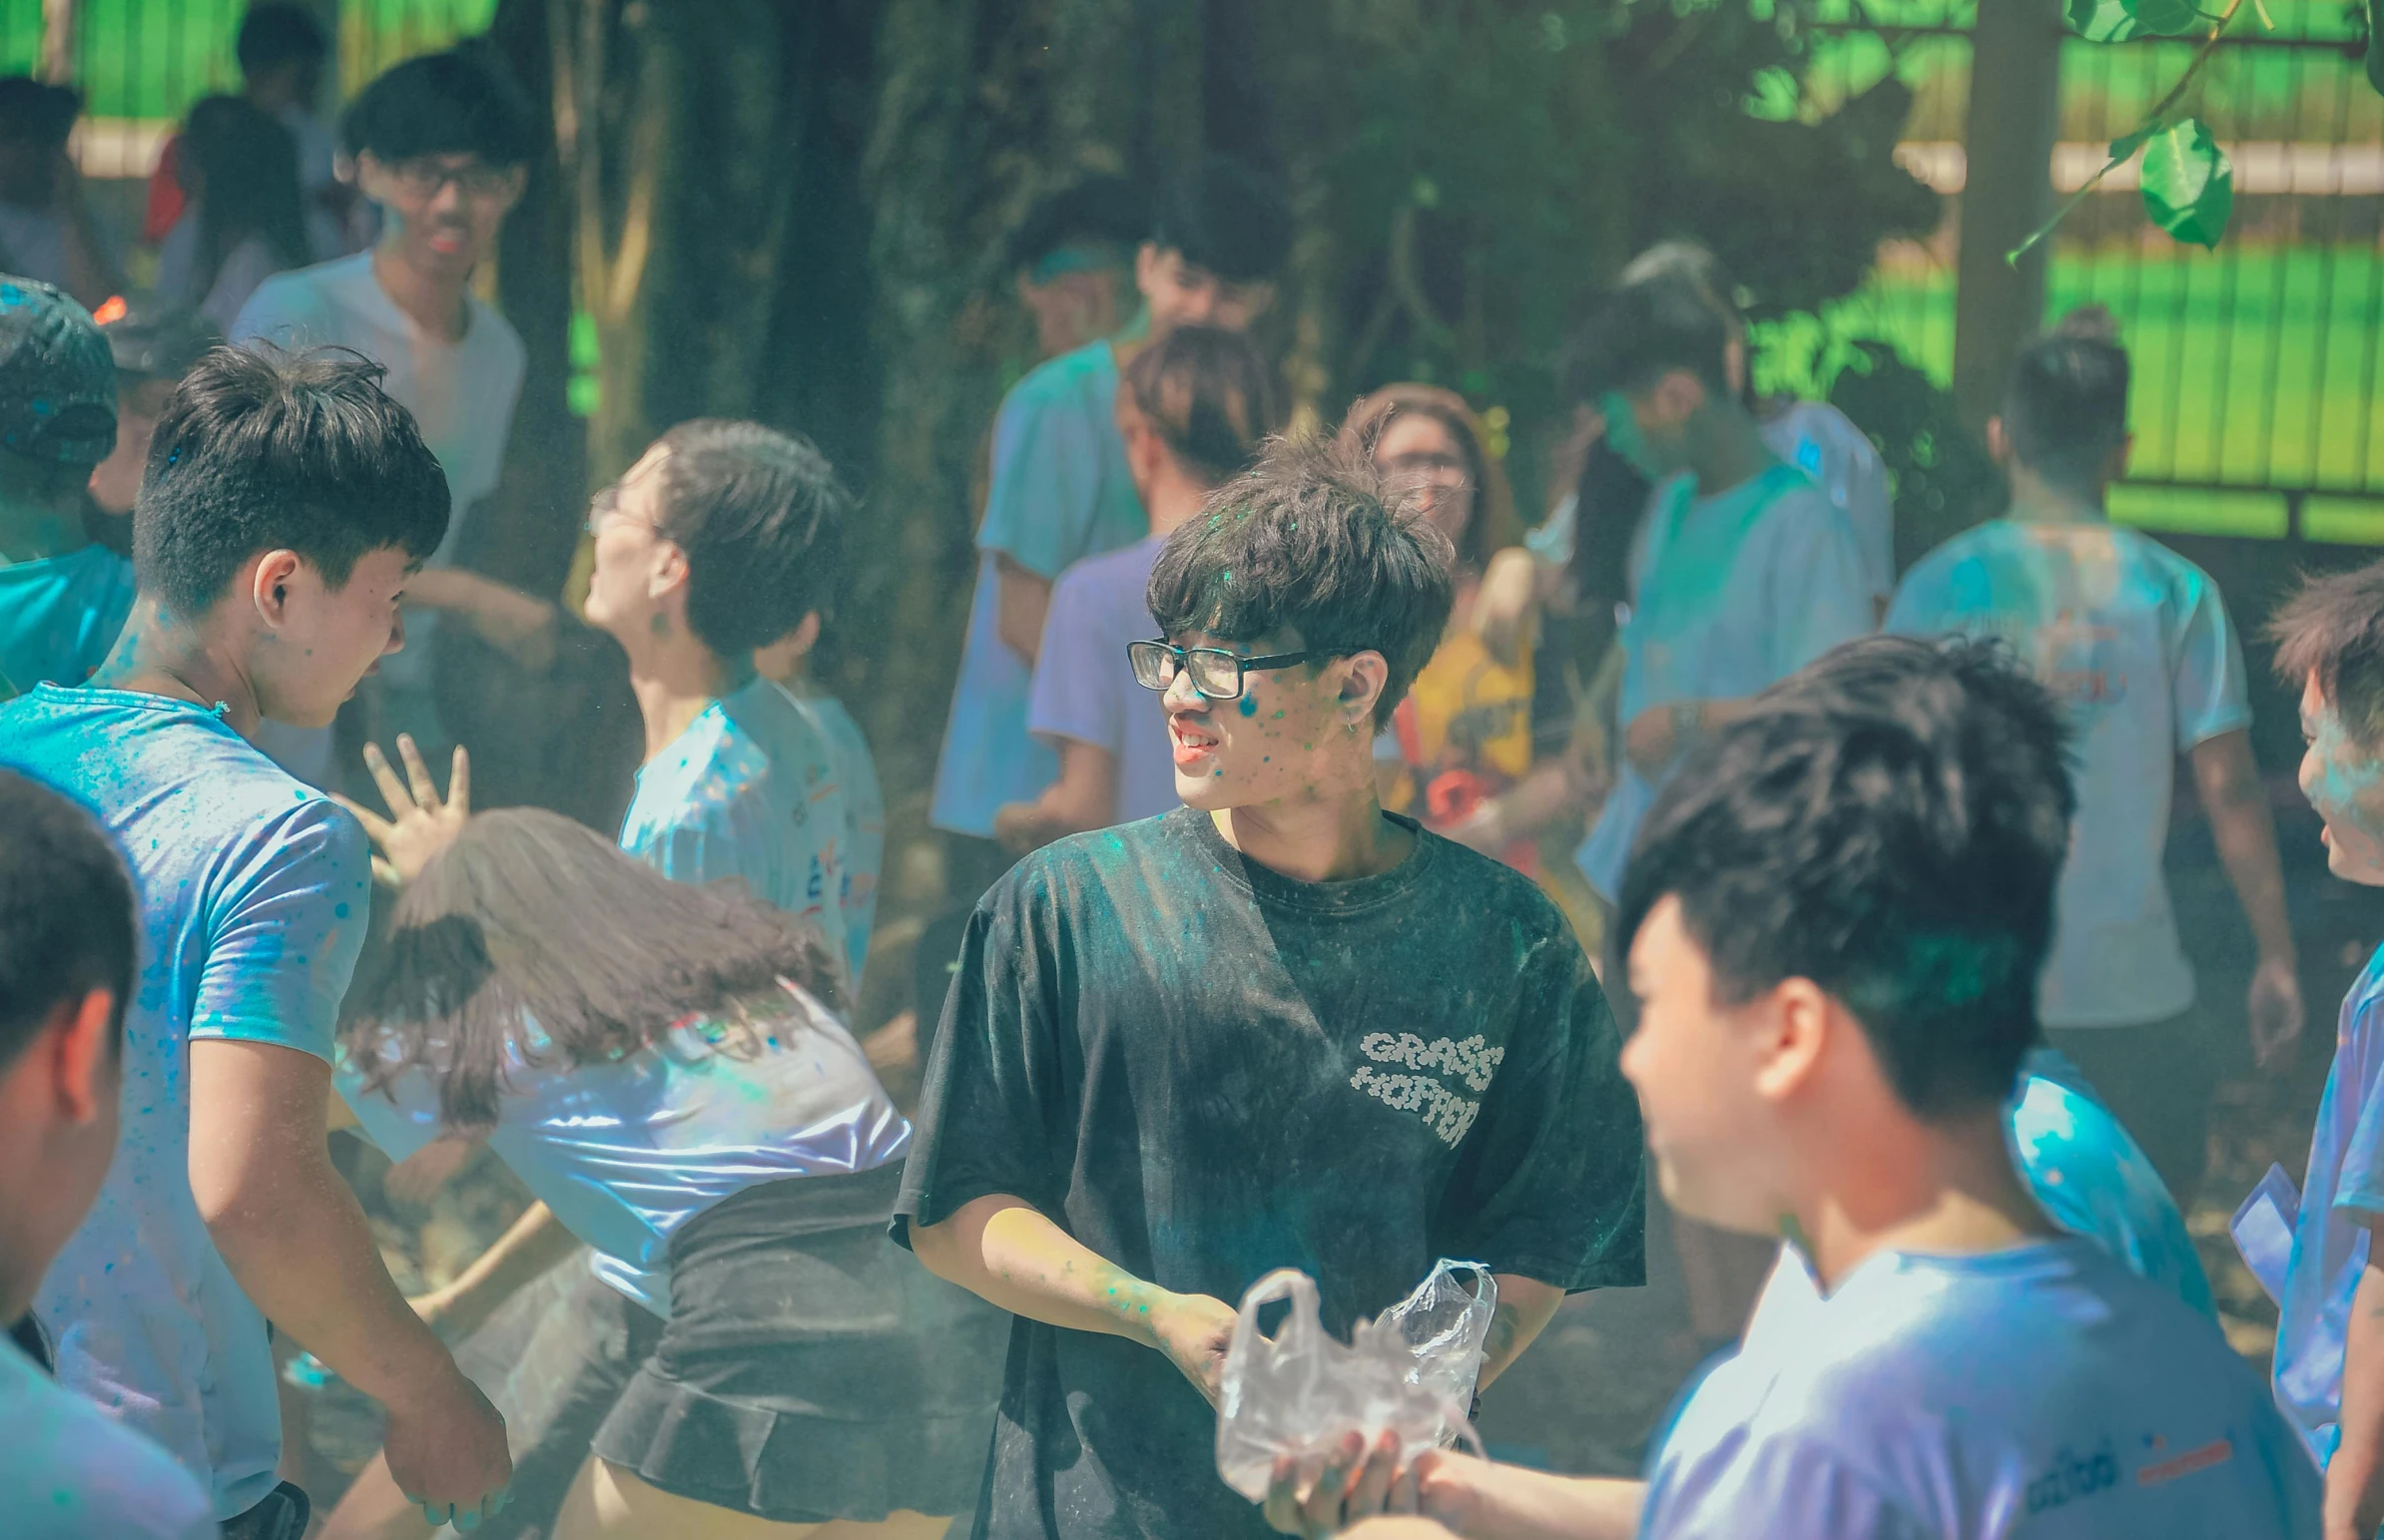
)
(1412, 1370)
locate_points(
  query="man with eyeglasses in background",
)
(442, 145)
(1276, 1027)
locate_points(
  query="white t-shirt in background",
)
(461, 393)
(2041, 1390)
(2136, 642)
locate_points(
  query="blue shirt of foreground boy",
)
(1838, 911)
(2040, 1390)
(255, 891)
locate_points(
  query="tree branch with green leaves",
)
(2188, 182)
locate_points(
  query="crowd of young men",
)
(1909, 1005)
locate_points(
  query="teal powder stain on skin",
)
(1278, 716)
(2348, 779)
(1250, 707)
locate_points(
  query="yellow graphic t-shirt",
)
(1464, 736)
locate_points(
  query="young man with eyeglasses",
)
(442, 145)
(1276, 1027)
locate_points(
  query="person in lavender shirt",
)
(1193, 409)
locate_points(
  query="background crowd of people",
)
(1337, 873)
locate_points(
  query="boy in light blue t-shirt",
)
(67, 950)
(2329, 1350)
(288, 501)
(1061, 490)
(1745, 572)
(1835, 914)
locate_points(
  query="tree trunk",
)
(2014, 114)
(981, 107)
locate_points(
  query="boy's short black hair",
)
(66, 911)
(1311, 540)
(456, 103)
(2334, 628)
(1226, 219)
(761, 516)
(1647, 329)
(262, 451)
(37, 112)
(276, 33)
(1210, 396)
(1105, 213)
(1889, 824)
(2066, 409)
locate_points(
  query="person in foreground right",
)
(67, 966)
(2330, 1319)
(1836, 916)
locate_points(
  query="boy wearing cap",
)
(63, 598)
(154, 344)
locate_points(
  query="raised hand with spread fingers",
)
(421, 823)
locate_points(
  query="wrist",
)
(427, 1382)
(1148, 1311)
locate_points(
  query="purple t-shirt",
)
(1083, 689)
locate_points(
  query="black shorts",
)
(810, 1369)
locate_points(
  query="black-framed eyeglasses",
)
(1216, 674)
(423, 176)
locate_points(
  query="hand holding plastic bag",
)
(1411, 1371)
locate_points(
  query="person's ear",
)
(1999, 441)
(515, 183)
(1795, 1019)
(1365, 675)
(1735, 364)
(1256, 300)
(372, 176)
(82, 1056)
(805, 636)
(1146, 266)
(2115, 468)
(670, 570)
(269, 586)
(1677, 397)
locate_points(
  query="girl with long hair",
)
(664, 1066)
(245, 219)
(1462, 754)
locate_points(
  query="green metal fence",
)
(2256, 410)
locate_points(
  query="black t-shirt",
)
(1204, 1070)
